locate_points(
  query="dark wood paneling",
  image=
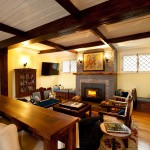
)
(4, 71)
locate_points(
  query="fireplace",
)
(93, 92)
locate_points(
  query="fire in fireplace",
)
(93, 93)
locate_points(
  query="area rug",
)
(106, 141)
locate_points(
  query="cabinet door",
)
(25, 80)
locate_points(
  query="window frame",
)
(69, 66)
(137, 71)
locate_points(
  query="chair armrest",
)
(111, 100)
(111, 114)
(119, 98)
(89, 121)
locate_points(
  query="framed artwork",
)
(93, 61)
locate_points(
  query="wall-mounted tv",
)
(49, 68)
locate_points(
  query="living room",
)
(35, 31)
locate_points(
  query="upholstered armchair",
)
(10, 139)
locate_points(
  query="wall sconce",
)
(107, 57)
(25, 64)
(80, 59)
(24, 61)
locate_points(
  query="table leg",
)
(90, 112)
(113, 144)
(71, 140)
(50, 145)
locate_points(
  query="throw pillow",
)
(36, 98)
(121, 112)
(51, 95)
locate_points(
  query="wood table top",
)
(42, 121)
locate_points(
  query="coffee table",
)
(80, 112)
(114, 135)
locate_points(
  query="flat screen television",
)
(49, 68)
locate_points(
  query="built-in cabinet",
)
(64, 94)
(25, 81)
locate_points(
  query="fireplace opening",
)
(91, 93)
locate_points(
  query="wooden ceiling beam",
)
(102, 37)
(49, 51)
(102, 13)
(97, 43)
(67, 5)
(129, 37)
(49, 43)
(11, 30)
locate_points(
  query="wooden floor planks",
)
(143, 119)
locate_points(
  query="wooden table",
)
(114, 135)
(49, 125)
(74, 112)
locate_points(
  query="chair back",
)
(46, 94)
(38, 94)
(128, 111)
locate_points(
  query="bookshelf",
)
(25, 81)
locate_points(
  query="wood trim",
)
(4, 71)
(95, 73)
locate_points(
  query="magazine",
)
(116, 128)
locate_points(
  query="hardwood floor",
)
(143, 120)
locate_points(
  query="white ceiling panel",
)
(83, 4)
(26, 15)
(38, 46)
(76, 38)
(4, 35)
(129, 27)
(142, 43)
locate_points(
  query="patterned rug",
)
(106, 141)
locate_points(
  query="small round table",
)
(114, 135)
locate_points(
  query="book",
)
(116, 128)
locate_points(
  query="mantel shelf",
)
(95, 73)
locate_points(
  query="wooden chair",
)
(124, 118)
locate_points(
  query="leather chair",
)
(90, 133)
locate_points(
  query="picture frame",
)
(93, 61)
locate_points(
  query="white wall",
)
(129, 80)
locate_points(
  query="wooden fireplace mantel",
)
(95, 73)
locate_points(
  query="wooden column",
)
(4, 71)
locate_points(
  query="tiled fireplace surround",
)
(109, 78)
